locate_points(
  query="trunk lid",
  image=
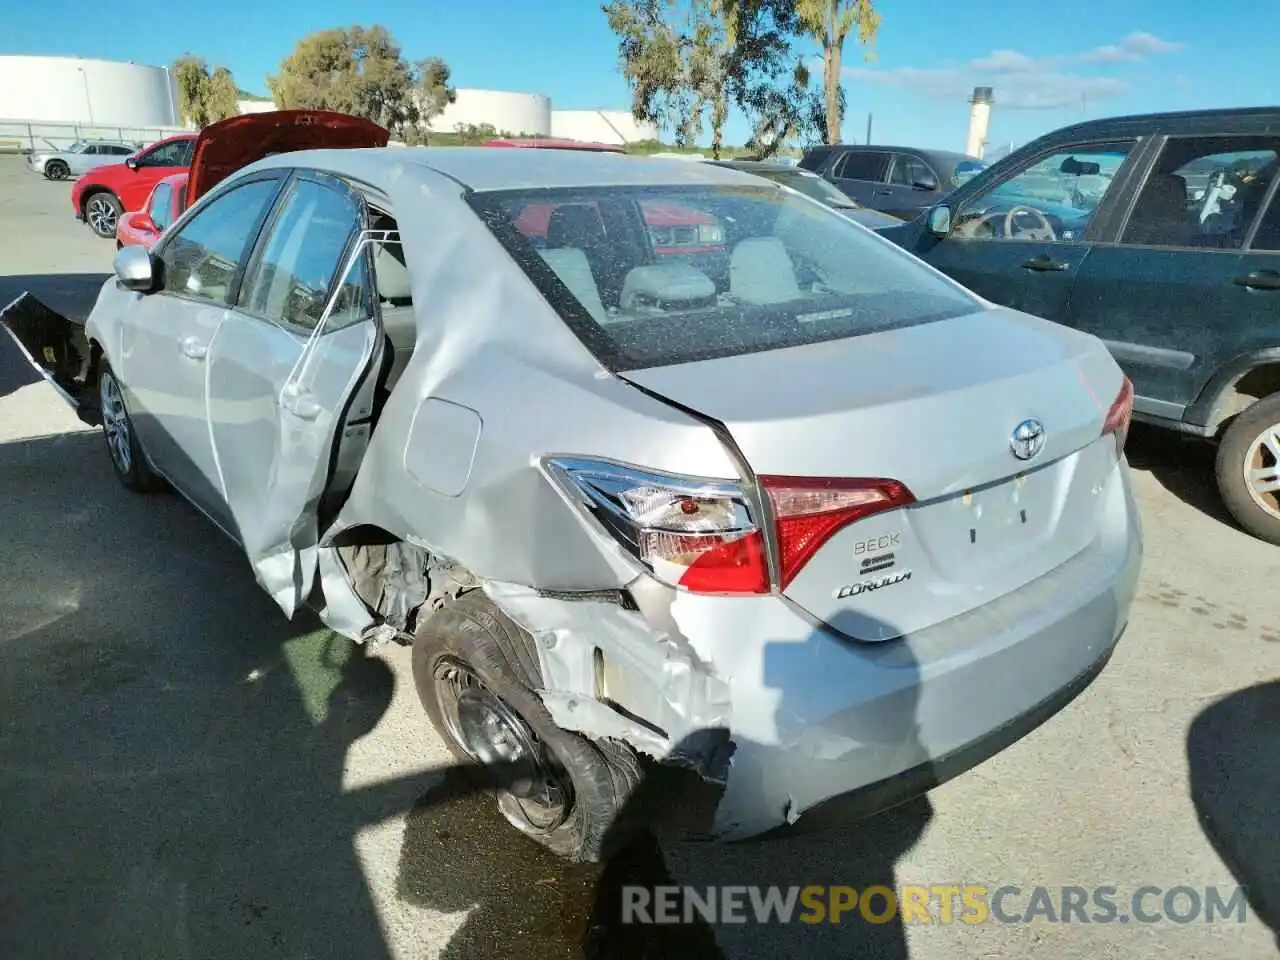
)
(224, 147)
(935, 407)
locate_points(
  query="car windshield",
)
(812, 186)
(652, 276)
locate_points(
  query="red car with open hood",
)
(219, 151)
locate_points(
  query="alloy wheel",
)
(115, 423)
(493, 734)
(101, 215)
(1262, 470)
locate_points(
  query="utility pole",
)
(868, 141)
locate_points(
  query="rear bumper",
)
(817, 717)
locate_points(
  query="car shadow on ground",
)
(172, 756)
(1182, 465)
(171, 772)
(1234, 758)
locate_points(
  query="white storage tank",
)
(513, 113)
(616, 127)
(85, 91)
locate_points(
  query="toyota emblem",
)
(1027, 440)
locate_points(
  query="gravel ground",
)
(185, 773)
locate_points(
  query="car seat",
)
(1160, 217)
(760, 271)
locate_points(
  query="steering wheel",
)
(1043, 232)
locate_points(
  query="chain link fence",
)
(28, 136)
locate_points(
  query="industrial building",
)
(84, 91)
(531, 115)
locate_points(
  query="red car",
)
(223, 148)
(104, 193)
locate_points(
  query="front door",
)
(163, 352)
(1022, 242)
(908, 191)
(154, 165)
(1176, 296)
(290, 378)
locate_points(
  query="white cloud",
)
(1025, 82)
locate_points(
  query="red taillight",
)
(701, 535)
(809, 511)
(1120, 415)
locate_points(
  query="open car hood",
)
(224, 147)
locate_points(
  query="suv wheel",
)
(56, 170)
(102, 213)
(476, 672)
(1248, 469)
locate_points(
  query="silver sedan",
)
(784, 506)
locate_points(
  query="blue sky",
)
(1050, 63)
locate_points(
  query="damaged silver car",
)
(782, 505)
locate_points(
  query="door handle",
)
(300, 404)
(193, 348)
(1259, 280)
(1045, 264)
(886, 190)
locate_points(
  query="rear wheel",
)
(56, 170)
(476, 672)
(127, 458)
(102, 213)
(1248, 469)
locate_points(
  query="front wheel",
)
(127, 458)
(476, 672)
(1248, 469)
(56, 170)
(102, 213)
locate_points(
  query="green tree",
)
(362, 71)
(830, 22)
(204, 97)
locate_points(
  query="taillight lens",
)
(809, 511)
(701, 535)
(692, 533)
(1120, 416)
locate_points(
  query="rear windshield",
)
(654, 276)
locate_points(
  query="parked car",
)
(812, 185)
(900, 181)
(620, 507)
(223, 148)
(57, 163)
(100, 196)
(1172, 257)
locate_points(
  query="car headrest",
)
(574, 225)
(392, 274)
(665, 283)
(760, 271)
(1163, 197)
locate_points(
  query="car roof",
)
(484, 169)
(763, 165)
(1247, 117)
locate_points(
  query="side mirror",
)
(135, 269)
(142, 221)
(940, 221)
(926, 183)
(131, 163)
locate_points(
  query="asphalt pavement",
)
(185, 773)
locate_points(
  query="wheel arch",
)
(1235, 388)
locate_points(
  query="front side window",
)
(910, 171)
(161, 206)
(302, 255)
(1203, 192)
(859, 165)
(203, 258)
(771, 270)
(1053, 199)
(92, 150)
(172, 154)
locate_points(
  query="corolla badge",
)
(1027, 439)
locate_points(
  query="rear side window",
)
(302, 255)
(652, 276)
(858, 165)
(1204, 192)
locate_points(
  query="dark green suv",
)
(1160, 234)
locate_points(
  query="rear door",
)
(1021, 242)
(290, 380)
(861, 174)
(1174, 293)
